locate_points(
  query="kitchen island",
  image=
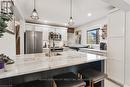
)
(37, 64)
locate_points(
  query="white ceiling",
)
(120, 4)
(57, 11)
(128, 1)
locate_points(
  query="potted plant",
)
(3, 23)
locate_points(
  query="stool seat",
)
(68, 80)
(93, 75)
(36, 83)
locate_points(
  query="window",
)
(93, 36)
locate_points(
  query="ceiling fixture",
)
(45, 21)
(89, 14)
(65, 24)
(71, 21)
(34, 15)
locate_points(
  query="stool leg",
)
(79, 76)
(92, 84)
(54, 84)
(89, 84)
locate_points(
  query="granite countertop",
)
(30, 63)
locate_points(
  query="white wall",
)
(7, 45)
(20, 16)
(91, 25)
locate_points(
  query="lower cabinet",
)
(6, 83)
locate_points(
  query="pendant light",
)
(34, 15)
(71, 21)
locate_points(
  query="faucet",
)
(49, 45)
(51, 39)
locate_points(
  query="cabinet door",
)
(116, 24)
(115, 62)
(63, 32)
(127, 60)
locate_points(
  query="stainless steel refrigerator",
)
(33, 42)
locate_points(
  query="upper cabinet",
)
(63, 32)
(116, 24)
(30, 27)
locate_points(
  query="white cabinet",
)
(30, 27)
(116, 24)
(45, 34)
(115, 62)
(38, 28)
(63, 33)
(127, 60)
(46, 29)
(51, 29)
(60, 30)
(116, 48)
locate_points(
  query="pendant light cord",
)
(34, 4)
(70, 8)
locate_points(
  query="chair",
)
(92, 76)
(68, 80)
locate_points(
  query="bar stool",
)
(92, 76)
(37, 83)
(68, 80)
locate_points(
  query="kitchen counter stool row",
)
(86, 78)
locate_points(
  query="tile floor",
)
(110, 84)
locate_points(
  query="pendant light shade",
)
(71, 21)
(34, 15)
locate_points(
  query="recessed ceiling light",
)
(45, 21)
(65, 24)
(89, 14)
